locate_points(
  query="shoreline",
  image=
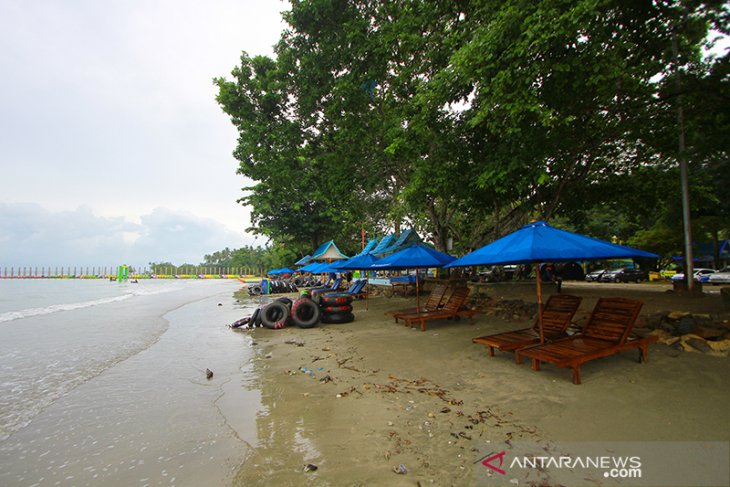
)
(375, 395)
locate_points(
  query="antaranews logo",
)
(612, 466)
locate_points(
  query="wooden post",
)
(539, 306)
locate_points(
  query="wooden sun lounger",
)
(432, 303)
(450, 310)
(606, 333)
(556, 316)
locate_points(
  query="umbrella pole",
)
(539, 306)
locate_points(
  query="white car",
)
(700, 275)
(720, 277)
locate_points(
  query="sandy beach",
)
(360, 400)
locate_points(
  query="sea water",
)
(104, 383)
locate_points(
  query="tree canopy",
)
(466, 119)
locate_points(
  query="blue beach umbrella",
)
(538, 242)
(417, 256)
(310, 267)
(357, 263)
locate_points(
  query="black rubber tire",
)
(338, 318)
(274, 313)
(335, 299)
(255, 318)
(254, 290)
(336, 310)
(305, 313)
(286, 301)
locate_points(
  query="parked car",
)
(624, 275)
(701, 274)
(720, 277)
(595, 276)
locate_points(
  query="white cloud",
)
(34, 236)
(109, 116)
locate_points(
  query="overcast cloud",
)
(112, 148)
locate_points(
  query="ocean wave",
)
(55, 308)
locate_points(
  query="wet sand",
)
(152, 418)
(358, 399)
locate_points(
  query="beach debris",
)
(208, 374)
(243, 322)
(326, 379)
(400, 469)
(310, 467)
(268, 355)
(294, 342)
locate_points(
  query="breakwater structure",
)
(113, 272)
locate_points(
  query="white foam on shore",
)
(55, 308)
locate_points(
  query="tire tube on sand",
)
(335, 299)
(254, 290)
(305, 313)
(274, 313)
(331, 310)
(255, 318)
(338, 318)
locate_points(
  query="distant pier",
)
(111, 272)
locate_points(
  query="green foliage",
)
(466, 119)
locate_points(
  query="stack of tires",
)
(336, 308)
(303, 313)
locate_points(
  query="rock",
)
(686, 324)
(708, 332)
(677, 315)
(310, 467)
(699, 344)
(656, 319)
(208, 374)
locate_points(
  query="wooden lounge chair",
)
(606, 333)
(449, 310)
(432, 303)
(556, 316)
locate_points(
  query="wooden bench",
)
(556, 317)
(606, 333)
(432, 303)
(449, 310)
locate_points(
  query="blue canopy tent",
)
(417, 256)
(328, 251)
(303, 261)
(538, 242)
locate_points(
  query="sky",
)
(112, 147)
